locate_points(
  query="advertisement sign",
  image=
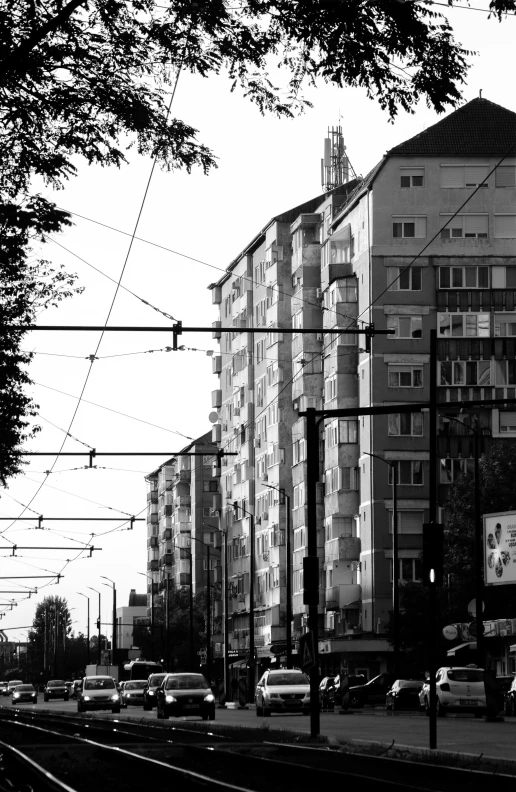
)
(500, 548)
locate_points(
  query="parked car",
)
(132, 692)
(23, 693)
(11, 685)
(354, 680)
(510, 699)
(149, 692)
(185, 694)
(459, 689)
(3, 688)
(372, 692)
(404, 694)
(282, 690)
(56, 688)
(98, 692)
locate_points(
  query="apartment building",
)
(183, 507)
(412, 246)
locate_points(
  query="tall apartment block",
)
(183, 506)
(426, 240)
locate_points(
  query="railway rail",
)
(105, 755)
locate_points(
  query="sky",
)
(139, 400)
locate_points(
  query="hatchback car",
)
(404, 694)
(285, 690)
(98, 692)
(132, 692)
(56, 688)
(460, 689)
(150, 690)
(11, 685)
(23, 693)
(185, 694)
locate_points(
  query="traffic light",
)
(433, 553)
(98, 624)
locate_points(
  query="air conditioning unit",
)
(224, 427)
(229, 494)
(265, 516)
(258, 520)
(318, 293)
(258, 442)
(295, 406)
(265, 556)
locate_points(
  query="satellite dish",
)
(213, 417)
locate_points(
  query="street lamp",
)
(250, 676)
(479, 583)
(289, 571)
(114, 640)
(98, 623)
(208, 604)
(145, 574)
(395, 563)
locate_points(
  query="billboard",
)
(500, 548)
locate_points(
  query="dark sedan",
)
(404, 694)
(23, 693)
(56, 688)
(132, 692)
(373, 692)
(151, 689)
(185, 694)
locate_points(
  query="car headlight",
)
(274, 695)
(86, 698)
(210, 697)
(151, 692)
(127, 694)
(170, 699)
(115, 697)
(16, 695)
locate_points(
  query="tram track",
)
(122, 755)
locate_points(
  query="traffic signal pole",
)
(432, 584)
(311, 569)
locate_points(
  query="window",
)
(408, 227)
(274, 338)
(210, 486)
(405, 376)
(454, 469)
(297, 322)
(465, 372)
(464, 277)
(505, 226)
(298, 451)
(275, 455)
(410, 472)
(406, 424)
(340, 338)
(505, 175)
(405, 326)
(412, 177)
(348, 431)
(404, 278)
(409, 522)
(463, 325)
(299, 495)
(505, 372)
(330, 389)
(341, 290)
(468, 226)
(503, 277)
(274, 374)
(463, 175)
(410, 569)
(260, 351)
(299, 538)
(508, 422)
(505, 325)
(341, 478)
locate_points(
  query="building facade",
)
(427, 240)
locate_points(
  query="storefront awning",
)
(512, 649)
(353, 605)
(468, 645)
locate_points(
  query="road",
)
(461, 734)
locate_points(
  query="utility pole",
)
(167, 605)
(208, 618)
(432, 584)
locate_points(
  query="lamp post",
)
(88, 626)
(395, 563)
(479, 579)
(114, 640)
(208, 604)
(149, 577)
(289, 571)
(250, 676)
(98, 624)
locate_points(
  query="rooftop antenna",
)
(335, 164)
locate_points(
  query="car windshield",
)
(15, 682)
(409, 683)
(19, 688)
(56, 683)
(138, 685)
(99, 684)
(287, 679)
(466, 675)
(156, 679)
(187, 682)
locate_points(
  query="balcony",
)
(166, 535)
(152, 541)
(152, 496)
(347, 595)
(182, 475)
(182, 501)
(152, 519)
(152, 566)
(344, 548)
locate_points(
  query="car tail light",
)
(445, 687)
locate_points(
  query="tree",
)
(497, 471)
(47, 639)
(90, 78)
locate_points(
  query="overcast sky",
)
(266, 166)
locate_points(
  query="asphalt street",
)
(460, 733)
